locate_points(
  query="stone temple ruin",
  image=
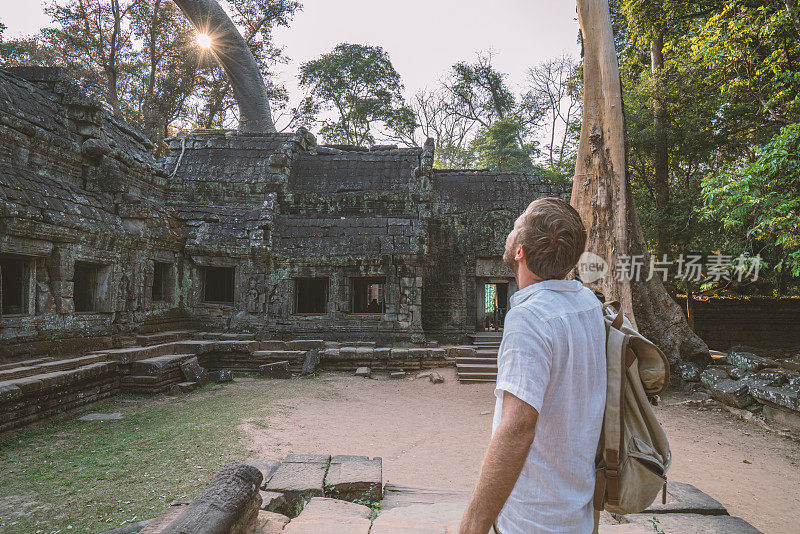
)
(115, 257)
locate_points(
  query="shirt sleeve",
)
(525, 358)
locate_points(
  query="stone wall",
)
(760, 322)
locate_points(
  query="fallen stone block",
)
(299, 477)
(791, 364)
(310, 361)
(731, 392)
(709, 377)
(685, 523)
(363, 371)
(222, 375)
(275, 370)
(687, 499)
(397, 374)
(269, 522)
(193, 372)
(266, 466)
(738, 373)
(774, 377)
(750, 361)
(436, 378)
(689, 371)
(331, 516)
(354, 478)
(784, 397)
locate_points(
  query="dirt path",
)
(436, 436)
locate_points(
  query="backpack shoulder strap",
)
(616, 350)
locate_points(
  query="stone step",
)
(464, 380)
(226, 336)
(50, 367)
(468, 360)
(279, 355)
(24, 363)
(164, 337)
(465, 368)
(478, 374)
(159, 364)
(486, 353)
(322, 515)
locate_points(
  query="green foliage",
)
(497, 148)
(358, 83)
(761, 199)
(752, 50)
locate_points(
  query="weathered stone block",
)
(685, 523)
(710, 376)
(774, 377)
(383, 353)
(685, 498)
(299, 477)
(436, 378)
(275, 370)
(306, 344)
(750, 361)
(355, 478)
(363, 371)
(266, 466)
(784, 397)
(269, 522)
(221, 375)
(399, 353)
(331, 516)
(689, 371)
(193, 372)
(731, 392)
(397, 374)
(437, 354)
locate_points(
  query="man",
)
(538, 475)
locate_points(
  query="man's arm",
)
(507, 452)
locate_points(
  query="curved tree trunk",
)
(230, 49)
(602, 195)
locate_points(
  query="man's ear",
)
(519, 254)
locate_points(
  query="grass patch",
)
(90, 476)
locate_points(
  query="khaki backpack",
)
(633, 454)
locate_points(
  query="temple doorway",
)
(493, 303)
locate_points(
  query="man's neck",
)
(525, 277)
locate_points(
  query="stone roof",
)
(27, 195)
(334, 170)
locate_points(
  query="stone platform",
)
(323, 494)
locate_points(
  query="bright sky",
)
(423, 37)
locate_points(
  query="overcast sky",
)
(423, 37)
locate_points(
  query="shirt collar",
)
(553, 285)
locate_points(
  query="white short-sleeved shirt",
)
(553, 357)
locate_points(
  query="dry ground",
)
(436, 435)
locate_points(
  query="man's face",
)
(511, 248)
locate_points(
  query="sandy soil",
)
(435, 435)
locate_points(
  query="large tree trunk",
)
(660, 137)
(231, 50)
(602, 196)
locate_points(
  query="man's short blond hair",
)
(553, 237)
